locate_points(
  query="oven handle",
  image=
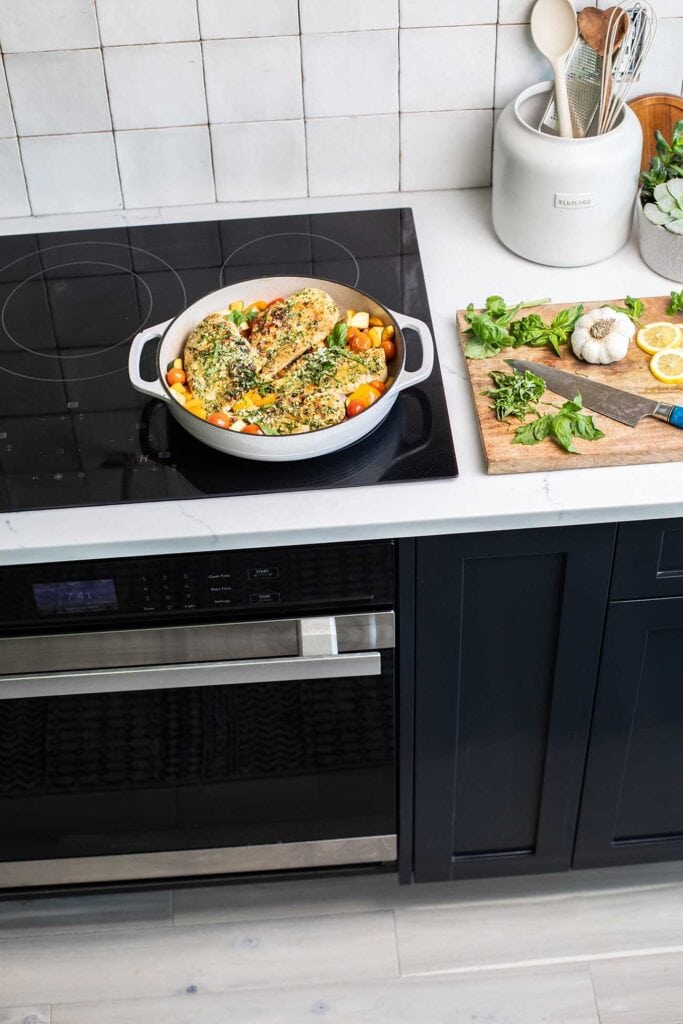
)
(208, 673)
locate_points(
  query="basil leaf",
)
(337, 336)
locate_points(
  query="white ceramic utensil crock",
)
(283, 447)
(563, 202)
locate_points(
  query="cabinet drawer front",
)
(648, 560)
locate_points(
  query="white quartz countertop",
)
(463, 261)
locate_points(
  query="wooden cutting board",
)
(651, 441)
(656, 112)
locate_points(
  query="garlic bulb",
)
(602, 336)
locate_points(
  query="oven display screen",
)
(75, 596)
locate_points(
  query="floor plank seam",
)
(579, 958)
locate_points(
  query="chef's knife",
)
(613, 402)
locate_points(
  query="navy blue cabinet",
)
(632, 806)
(508, 634)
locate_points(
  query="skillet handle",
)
(148, 387)
(407, 378)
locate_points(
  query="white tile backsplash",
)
(263, 99)
(222, 19)
(518, 63)
(55, 25)
(260, 158)
(7, 128)
(350, 73)
(13, 198)
(71, 172)
(146, 21)
(155, 86)
(336, 147)
(253, 79)
(58, 92)
(348, 15)
(447, 68)
(446, 149)
(417, 13)
(165, 166)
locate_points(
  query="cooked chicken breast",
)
(287, 329)
(220, 364)
(294, 414)
(333, 369)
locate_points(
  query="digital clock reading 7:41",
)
(73, 596)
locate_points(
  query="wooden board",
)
(656, 112)
(651, 441)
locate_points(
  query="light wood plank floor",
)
(594, 947)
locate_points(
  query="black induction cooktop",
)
(73, 431)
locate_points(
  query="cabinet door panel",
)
(632, 806)
(509, 628)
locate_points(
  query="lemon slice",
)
(667, 365)
(654, 337)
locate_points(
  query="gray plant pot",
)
(659, 248)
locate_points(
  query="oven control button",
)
(264, 573)
(265, 597)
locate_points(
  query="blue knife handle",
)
(672, 414)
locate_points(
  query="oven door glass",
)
(293, 761)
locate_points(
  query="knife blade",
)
(619, 405)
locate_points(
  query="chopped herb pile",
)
(533, 330)
(675, 303)
(515, 394)
(562, 427)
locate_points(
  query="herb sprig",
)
(515, 394)
(634, 308)
(562, 427)
(534, 331)
(675, 303)
(337, 336)
(488, 327)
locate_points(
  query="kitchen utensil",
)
(289, 447)
(653, 441)
(656, 112)
(621, 72)
(554, 31)
(623, 406)
(584, 88)
(553, 200)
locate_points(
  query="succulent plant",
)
(667, 209)
(668, 163)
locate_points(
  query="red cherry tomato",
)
(389, 349)
(219, 419)
(251, 428)
(354, 407)
(176, 376)
(378, 386)
(360, 342)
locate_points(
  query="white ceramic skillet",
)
(281, 447)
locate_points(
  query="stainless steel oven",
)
(184, 716)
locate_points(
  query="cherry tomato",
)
(272, 303)
(389, 349)
(251, 428)
(176, 376)
(378, 386)
(355, 406)
(219, 419)
(360, 342)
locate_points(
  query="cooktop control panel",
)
(68, 595)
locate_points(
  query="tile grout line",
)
(111, 116)
(17, 138)
(303, 98)
(206, 105)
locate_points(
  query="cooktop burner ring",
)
(294, 234)
(80, 355)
